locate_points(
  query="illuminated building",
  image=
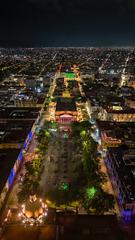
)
(15, 137)
(68, 75)
(66, 111)
(9, 164)
(125, 115)
(131, 82)
(120, 162)
(109, 141)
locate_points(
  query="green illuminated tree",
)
(91, 192)
(97, 201)
(78, 127)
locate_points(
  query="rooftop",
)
(18, 113)
(14, 131)
(7, 161)
(65, 104)
(124, 161)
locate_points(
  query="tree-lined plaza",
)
(85, 187)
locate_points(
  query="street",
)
(20, 232)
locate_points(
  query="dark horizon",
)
(35, 23)
(72, 47)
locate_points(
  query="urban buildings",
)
(45, 94)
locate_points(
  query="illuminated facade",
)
(66, 111)
(108, 141)
(17, 163)
(68, 75)
(122, 172)
(118, 116)
(65, 117)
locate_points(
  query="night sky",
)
(41, 23)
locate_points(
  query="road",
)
(44, 67)
(108, 186)
(18, 232)
(24, 68)
(123, 77)
(126, 63)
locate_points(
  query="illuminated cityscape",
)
(67, 143)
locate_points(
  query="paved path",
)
(60, 163)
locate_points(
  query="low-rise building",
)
(9, 164)
(17, 126)
(65, 110)
(121, 165)
(120, 115)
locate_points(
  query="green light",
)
(83, 133)
(53, 125)
(85, 143)
(47, 134)
(65, 135)
(69, 75)
(64, 186)
(91, 192)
